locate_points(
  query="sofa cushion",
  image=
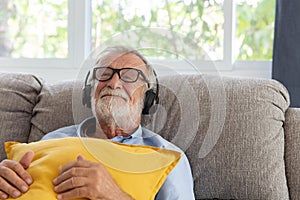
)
(18, 93)
(292, 149)
(232, 131)
(54, 108)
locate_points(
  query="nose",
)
(114, 82)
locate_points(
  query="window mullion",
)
(79, 31)
(229, 32)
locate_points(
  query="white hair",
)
(122, 50)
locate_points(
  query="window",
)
(59, 34)
(34, 29)
(195, 21)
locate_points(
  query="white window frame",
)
(78, 34)
(79, 46)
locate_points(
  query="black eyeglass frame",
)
(140, 73)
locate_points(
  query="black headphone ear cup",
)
(150, 98)
(86, 96)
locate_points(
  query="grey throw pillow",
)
(18, 94)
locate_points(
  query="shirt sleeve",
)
(179, 184)
(69, 131)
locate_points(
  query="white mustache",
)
(116, 92)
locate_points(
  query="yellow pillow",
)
(139, 170)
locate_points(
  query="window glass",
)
(33, 28)
(255, 29)
(198, 22)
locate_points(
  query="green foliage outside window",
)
(198, 23)
(255, 29)
(38, 28)
(34, 28)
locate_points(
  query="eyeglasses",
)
(128, 75)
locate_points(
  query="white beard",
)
(116, 111)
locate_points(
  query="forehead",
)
(118, 61)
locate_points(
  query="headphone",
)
(151, 96)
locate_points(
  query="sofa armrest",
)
(292, 149)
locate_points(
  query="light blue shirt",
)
(179, 183)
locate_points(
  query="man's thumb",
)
(26, 159)
(80, 157)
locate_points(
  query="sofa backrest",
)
(237, 151)
(231, 129)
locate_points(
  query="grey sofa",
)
(240, 135)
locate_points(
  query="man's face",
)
(115, 102)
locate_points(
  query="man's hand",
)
(14, 179)
(85, 179)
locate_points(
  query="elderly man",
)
(118, 86)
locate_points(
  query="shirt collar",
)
(89, 122)
(137, 133)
